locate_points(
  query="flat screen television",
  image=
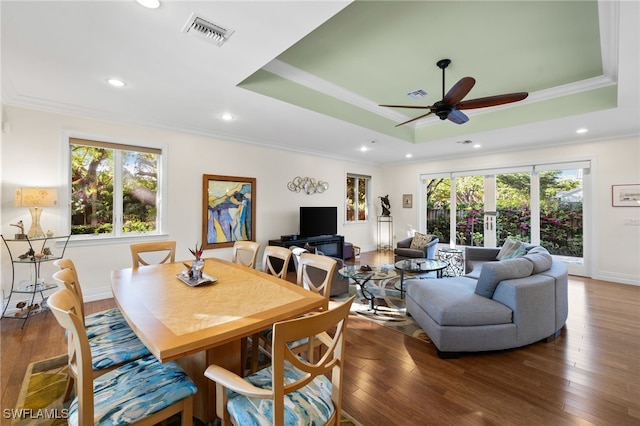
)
(316, 221)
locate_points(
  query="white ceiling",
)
(57, 56)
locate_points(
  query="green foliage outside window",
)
(94, 188)
(560, 221)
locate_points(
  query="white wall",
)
(613, 246)
(32, 155)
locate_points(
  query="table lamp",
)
(36, 199)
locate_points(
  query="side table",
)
(454, 259)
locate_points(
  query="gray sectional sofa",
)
(498, 304)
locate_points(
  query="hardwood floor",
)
(590, 375)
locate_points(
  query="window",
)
(115, 189)
(357, 197)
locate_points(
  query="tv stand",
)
(330, 245)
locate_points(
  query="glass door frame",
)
(583, 269)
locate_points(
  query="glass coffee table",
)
(419, 268)
(363, 277)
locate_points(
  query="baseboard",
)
(94, 294)
(618, 278)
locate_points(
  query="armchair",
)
(404, 251)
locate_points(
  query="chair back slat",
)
(72, 282)
(153, 252)
(330, 363)
(245, 253)
(275, 252)
(322, 283)
(64, 306)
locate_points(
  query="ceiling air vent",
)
(207, 30)
(417, 94)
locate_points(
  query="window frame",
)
(116, 237)
(367, 179)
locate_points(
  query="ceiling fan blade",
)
(459, 91)
(457, 117)
(407, 106)
(492, 100)
(414, 119)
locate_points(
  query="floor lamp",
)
(36, 199)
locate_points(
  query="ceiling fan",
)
(451, 104)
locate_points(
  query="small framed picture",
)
(407, 201)
(625, 195)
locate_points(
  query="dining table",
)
(202, 325)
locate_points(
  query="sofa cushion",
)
(508, 248)
(493, 272)
(408, 252)
(420, 241)
(452, 302)
(540, 258)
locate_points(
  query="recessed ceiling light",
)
(408, 155)
(151, 4)
(364, 149)
(582, 130)
(116, 83)
(477, 145)
(226, 117)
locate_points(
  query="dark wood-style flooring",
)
(590, 375)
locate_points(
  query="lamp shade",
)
(36, 197)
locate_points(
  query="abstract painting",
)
(229, 210)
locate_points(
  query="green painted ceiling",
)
(378, 51)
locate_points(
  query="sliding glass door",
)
(541, 204)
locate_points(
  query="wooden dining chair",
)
(111, 341)
(307, 276)
(142, 392)
(153, 252)
(275, 261)
(301, 390)
(245, 253)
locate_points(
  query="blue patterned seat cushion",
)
(103, 322)
(111, 339)
(310, 405)
(135, 391)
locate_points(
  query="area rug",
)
(390, 307)
(40, 399)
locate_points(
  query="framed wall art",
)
(625, 195)
(407, 201)
(228, 210)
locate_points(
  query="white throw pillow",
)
(508, 248)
